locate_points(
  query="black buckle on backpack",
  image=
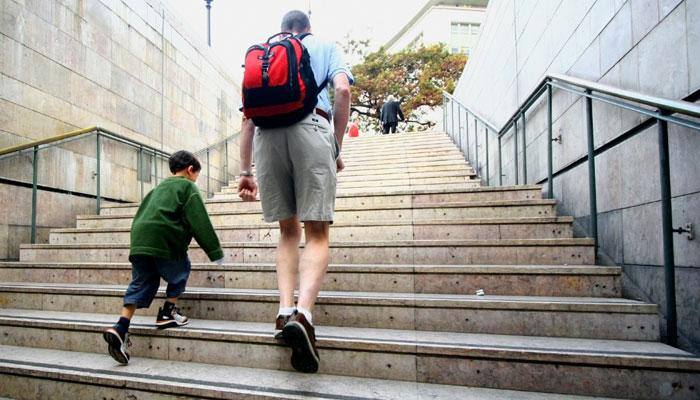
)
(265, 58)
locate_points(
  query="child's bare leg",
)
(128, 311)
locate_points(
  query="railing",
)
(660, 112)
(72, 160)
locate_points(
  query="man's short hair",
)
(182, 160)
(295, 21)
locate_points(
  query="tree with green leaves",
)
(414, 76)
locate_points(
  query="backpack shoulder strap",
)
(325, 81)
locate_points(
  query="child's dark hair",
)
(182, 160)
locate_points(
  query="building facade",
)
(129, 66)
(457, 24)
(645, 46)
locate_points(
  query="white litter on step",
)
(480, 292)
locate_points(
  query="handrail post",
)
(476, 146)
(208, 174)
(500, 162)
(98, 156)
(591, 173)
(524, 151)
(35, 160)
(486, 140)
(515, 148)
(226, 161)
(155, 167)
(466, 144)
(140, 168)
(550, 167)
(667, 234)
(459, 127)
(444, 112)
(452, 117)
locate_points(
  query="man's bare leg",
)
(314, 263)
(288, 260)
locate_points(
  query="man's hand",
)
(339, 164)
(247, 188)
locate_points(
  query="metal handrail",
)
(54, 140)
(63, 136)
(101, 133)
(660, 110)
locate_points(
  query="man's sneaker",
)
(117, 345)
(301, 337)
(280, 322)
(170, 320)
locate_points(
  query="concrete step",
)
(641, 370)
(372, 179)
(358, 159)
(392, 188)
(579, 317)
(414, 176)
(358, 172)
(442, 252)
(369, 199)
(408, 207)
(425, 140)
(398, 153)
(357, 215)
(405, 160)
(436, 148)
(364, 187)
(514, 280)
(34, 373)
(496, 228)
(399, 166)
(397, 144)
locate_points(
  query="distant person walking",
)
(296, 167)
(390, 115)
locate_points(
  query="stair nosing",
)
(421, 206)
(467, 269)
(418, 347)
(374, 299)
(439, 222)
(556, 242)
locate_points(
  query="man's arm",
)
(341, 106)
(247, 188)
(398, 107)
(246, 143)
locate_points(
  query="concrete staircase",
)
(415, 235)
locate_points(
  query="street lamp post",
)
(208, 21)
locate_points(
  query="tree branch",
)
(415, 121)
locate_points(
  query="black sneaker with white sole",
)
(117, 345)
(170, 320)
(300, 335)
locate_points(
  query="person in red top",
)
(353, 130)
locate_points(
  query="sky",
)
(237, 24)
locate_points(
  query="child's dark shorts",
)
(146, 272)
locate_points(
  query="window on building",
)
(463, 36)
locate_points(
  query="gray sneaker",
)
(172, 320)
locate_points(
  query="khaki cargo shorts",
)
(296, 170)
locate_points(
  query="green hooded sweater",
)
(167, 220)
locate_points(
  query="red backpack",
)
(279, 87)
